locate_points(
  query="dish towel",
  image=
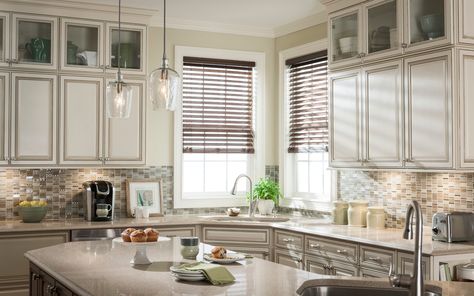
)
(216, 274)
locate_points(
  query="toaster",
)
(453, 227)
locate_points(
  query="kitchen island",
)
(102, 268)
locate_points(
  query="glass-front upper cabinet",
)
(4, 39)
(428, 23)
(82, 45)
(383, 27)
(34, 41)
(132, 48)
(345, 38)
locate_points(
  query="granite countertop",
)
(102, 268)
(388, 238)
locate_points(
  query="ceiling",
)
(268, 18)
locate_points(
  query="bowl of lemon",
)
(32, 211)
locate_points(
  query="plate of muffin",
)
(221, 256)
(134, 236)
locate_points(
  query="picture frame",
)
(147, 193)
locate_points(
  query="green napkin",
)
(216, 274)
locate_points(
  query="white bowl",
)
(348, 44)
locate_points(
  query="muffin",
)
(218, 252)
(138, 236)
(126, 234)
(151, 235)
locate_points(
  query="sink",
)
(357, 288)
(249, 219)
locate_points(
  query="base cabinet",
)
(42, 284)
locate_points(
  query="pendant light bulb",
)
(118, 94)
(164, 82)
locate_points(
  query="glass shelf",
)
(426, 20)
(382, 27)
(82, 46)
(34, 42)
(130, 49)
(345, 41)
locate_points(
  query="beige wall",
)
(160, 135)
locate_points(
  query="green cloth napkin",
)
(216, 274)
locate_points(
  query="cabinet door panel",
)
(466, 21)
(34, 119)
(125, 137)
(405, 264)
(4, 116)
(383, 115)
(289, 258)
(466, 94)
(345, 119)
(81, 120)
(429, 113)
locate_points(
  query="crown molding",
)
(309, 21)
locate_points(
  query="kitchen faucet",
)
(251, 201)
(415, 282)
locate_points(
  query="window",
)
(306, 177)
(217, 124)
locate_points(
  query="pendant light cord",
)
(119, 73)
(164, 31)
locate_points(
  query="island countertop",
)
(102, 268)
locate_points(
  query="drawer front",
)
(289, 240)
(405, 264)
(328, 266)
(177, 232)
(238, 236)
(372, 273)
(377, 258)
(332, 249)
(289, 258)
(255, 251)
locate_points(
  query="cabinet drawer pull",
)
(341, 251)
(315, 246)
(376, 259)
(35, 277)
(288, 240)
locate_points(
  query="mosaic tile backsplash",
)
(63, 189)
(436, 192)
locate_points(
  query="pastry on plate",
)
(126, 234)
(138, 236)
(151, 235)
(218, 252)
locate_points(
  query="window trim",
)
(259, 161)
(286, 179)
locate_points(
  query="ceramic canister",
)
(357, 213)
(376, 217)
(339, 212)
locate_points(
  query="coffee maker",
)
(98, 198)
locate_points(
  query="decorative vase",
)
(265, 206)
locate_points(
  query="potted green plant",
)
(267, 193)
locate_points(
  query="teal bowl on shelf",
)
(32, 214)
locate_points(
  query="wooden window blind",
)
(308, 103)
(217, 106)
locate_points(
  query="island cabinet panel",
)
(14, 268)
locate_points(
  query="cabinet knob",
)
(404, 45)
(341, 251)
(362, 54)
(107, 67)
(107, 158)
(35, 277)
(315, 246)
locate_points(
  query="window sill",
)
(306, 204)
(209, 202)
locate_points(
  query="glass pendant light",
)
(164, 81)
(118, 94)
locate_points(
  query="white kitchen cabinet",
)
(428, 24)
(125, 137)
(34, 119)
(34, 42)
(82, 45)
(466, 108)
(4, 116)
(81, 114)
(132, 50)
(429, 110)
(383, 115)
(345, 120)
(4, 39)
(465, 21)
